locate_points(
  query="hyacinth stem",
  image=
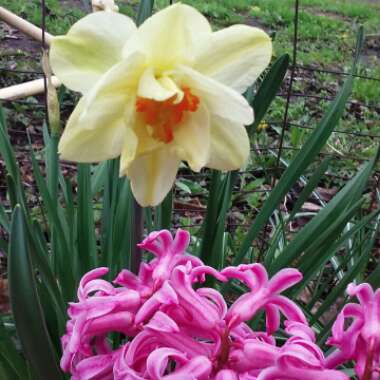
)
(368, 365)
(137, 223)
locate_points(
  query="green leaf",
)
(136, 225)
(4, 219)
(7, 152)
(51, 162)
(98, 177)
(6, 372)
(374, 277)
(311, 148)
(303, 159)
(122, 229)
(340, 288)
(4, 246)
(86, 239)
(322, 225)
(144, 11)
(66, 187)
(62, 252)
(268, 90)
(15, 365)
(26, 306)
(40, 258)
(109, 207)
(310, 186)
(163, 213)
(12, 191)
(14, 184)
(212, 247)
(208, 229)
(326, 251)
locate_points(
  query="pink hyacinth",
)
(360, 340)
(170, 327)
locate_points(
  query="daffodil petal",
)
(168, 37)
(129, 151)
(219, 99)
(96, 129)
(235, 56)
(151, 88)
(90, 48)
(192, 139)
(229, 145)
(81, 144)
(152, 176)
(146, 142)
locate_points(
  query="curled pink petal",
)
(164, 296)
(355, 333)
(198, 368)
(284, 279)
(263, 295)
(88, 277)
(226, 374)
(158, 361)
(300, 330)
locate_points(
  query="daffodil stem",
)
(137, 223)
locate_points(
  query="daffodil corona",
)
(167, 91)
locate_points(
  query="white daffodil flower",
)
(167, 91)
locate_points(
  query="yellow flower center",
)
(164, 116)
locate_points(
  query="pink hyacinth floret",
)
(170, 327)
(356, 333)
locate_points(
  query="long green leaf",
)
(268, 90)
(99, 177)
(109, 207)
(144, 11)
(122, 229)
(311, 148)
(63, 267)
(51, 162)
(26, 306)
(40, 259)
(211, 217)
(9, 354)
(340, 288)
(14, 185)
(7, 152)
(6, 371)
(280, 229)
(345, 199)
(310, 186)
(307, 154)
(4, 219)
(86, 240)
(163, 213)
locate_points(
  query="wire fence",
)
(272, 153)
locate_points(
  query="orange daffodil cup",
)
(167, 91)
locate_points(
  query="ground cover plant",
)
(74, 219)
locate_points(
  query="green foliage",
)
(60, 18)
(26, 304)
